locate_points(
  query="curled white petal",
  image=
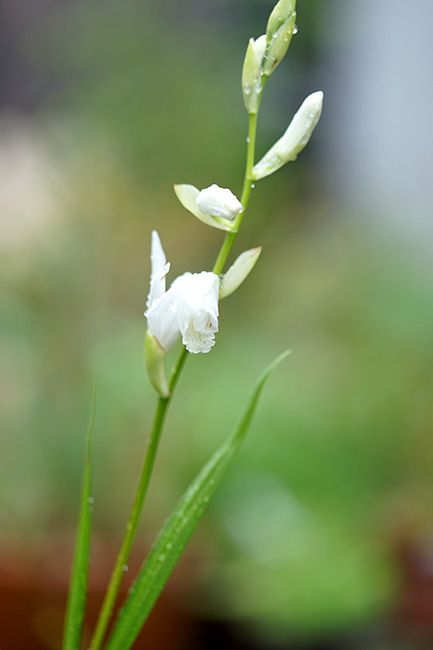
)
(295, 138)
(239, 270)
(159, 269)
(219, 202)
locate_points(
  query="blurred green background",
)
(322, 530)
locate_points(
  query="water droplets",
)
(125, 568)
(295, 30)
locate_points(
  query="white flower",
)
(219, 202)
(189, 308)
(295, 138)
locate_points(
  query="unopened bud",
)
(279, 32)
(295, 138)
(219, 202)
(252, 73)
(280, 14)
(188, 195)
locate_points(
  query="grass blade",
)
(80, 567)
(178, 529)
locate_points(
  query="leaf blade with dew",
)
(179, 527)
(80, 567)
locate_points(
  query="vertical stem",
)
(160, 413)
(137, 506)
(246, 191)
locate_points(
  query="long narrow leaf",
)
(80, 567)
(178, 529)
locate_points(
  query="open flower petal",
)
(197, 309)
(239, 270)
(162, 320)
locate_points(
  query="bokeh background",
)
(321, 536)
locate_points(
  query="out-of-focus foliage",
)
(339, 458)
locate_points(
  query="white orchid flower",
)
(189, 308)
(215, 206)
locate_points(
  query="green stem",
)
(160, 413)
(131, 527)
(246, 192)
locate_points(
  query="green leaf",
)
(178, 529)
(80, 568)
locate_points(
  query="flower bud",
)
(219, 202)
(252, 73)
(154, 357)
(239, 271)
(188, 195)
(279, 32)
(295, 138)
(280, 14)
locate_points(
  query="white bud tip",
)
(315, 100)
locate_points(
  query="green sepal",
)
(239, 271)
(154, 356)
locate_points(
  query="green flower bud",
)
(279, 32)
(281, 13)
(252, 73)
(154, 357)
